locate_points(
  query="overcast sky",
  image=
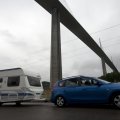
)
(25, 35)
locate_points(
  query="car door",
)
(91, 92)
(70, 90)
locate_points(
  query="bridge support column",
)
(56, 62)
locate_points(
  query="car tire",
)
(60, 101)
(116, 100)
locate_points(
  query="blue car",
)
(85, 90)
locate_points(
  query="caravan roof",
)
(17, 71)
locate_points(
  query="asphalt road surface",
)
(47, 111)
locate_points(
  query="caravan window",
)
(33, 81)
(13, 81)
(1, 80)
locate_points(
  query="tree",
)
(112, 77)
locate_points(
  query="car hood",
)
(113, 85)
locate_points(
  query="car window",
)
(88, 82)
(94, 82)
(85, 82)
(61, 84)
(72, 82)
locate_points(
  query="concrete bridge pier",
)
(56, 61)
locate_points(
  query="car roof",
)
(70, 77)
(75, 77)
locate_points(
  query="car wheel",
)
(60, 101)
(116, 100)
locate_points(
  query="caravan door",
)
(3, 91)
(1, 81)
(13, 86)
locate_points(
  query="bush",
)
(112, 77)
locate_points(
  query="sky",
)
(25, 36)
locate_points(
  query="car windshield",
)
(34, 81)
(103, 81)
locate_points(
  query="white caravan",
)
(18, 86)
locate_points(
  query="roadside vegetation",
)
(47, 91)
(112, 77)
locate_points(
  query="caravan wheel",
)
(18, 103)
(1, 103)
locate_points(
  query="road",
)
(47, 111)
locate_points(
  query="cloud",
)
(89, 68)
(25, 36)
